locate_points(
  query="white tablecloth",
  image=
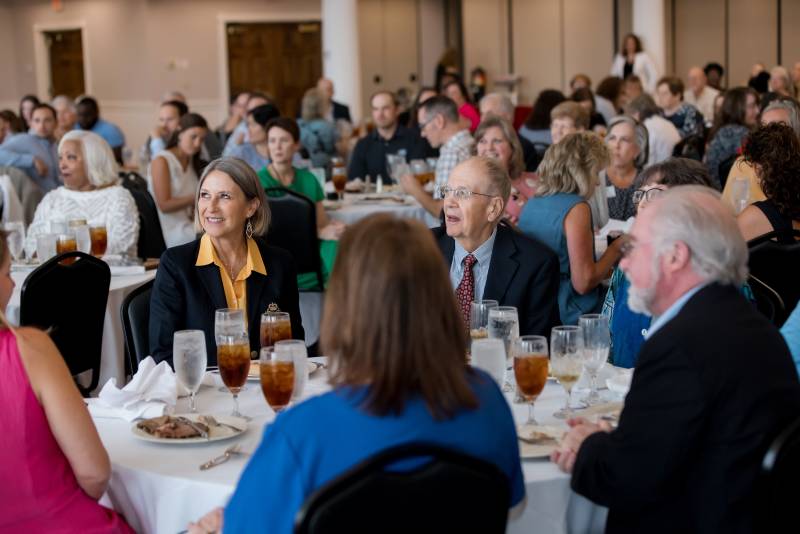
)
(159, 488)
(112, 356)
(355, 207)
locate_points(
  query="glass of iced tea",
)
(422, 171)
(233, 358)
(99, 237)
(530, 369)
(276, 371)
(275, 326)
(566, 361)
(339, 178)
(66, 243)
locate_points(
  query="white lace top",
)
(112, 206)
(178, 226)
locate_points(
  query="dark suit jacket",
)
(522, 273)
(711, 389)
(340, 111)
(185, 297)
(529, 154)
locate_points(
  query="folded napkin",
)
(148, 394)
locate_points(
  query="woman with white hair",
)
(780, 82)
(628, 145)
(91, 191)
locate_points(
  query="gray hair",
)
(501, 102)
(791, 108)
(101, 167)
(246, 178)
(644, 106)
(694, 215)
(64, 101)
(640, 137)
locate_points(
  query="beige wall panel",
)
(588, 39)
(485, 29)
(8, 63)
(752, 37)
(431, 38)
(537, 46)
(790, 21)
(699, 33)
(371, 45)
(400, 36)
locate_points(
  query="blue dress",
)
(321, 438)
(542, 218)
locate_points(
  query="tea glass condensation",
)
(233, 358)
(276, 373)
(99, 238)
(275, 326)
(190, 359)
(530, 369)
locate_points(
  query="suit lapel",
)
(502, 267)
(448, 247)
(209, 275)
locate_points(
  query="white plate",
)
(215, 433)
(530, 451)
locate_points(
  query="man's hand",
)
(158, 132)
(211, 522)
(332, 231)
(40, 166)
(567, 452)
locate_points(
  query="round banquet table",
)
(112, 355)
(159, 488)
(356, 206)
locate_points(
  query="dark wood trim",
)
(510, 11)
(780, 33)
(616, 28)
(727, 43)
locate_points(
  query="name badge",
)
(610, 191)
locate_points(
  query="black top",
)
(627, 70)
(186, 296)
(522, 273)
(529, 154)
(369, 155)
(340, 111)
(779, 222)
(712, 388)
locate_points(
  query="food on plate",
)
(170, 427)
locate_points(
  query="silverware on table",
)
(211, 420)
(194, 426)
(224, 457)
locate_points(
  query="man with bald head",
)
(699, 93)
(488, 259)
(713, 386)
(501, 106)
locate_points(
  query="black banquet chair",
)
(775, 261)
(69, 300)
(151, 238)
(776, 488)
(135, 314)
(448, 492)
(293, 227)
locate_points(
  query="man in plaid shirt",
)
(439, 123)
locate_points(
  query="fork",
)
(213, 422)
(194, 426)
(224, 457)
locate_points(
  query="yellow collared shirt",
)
(235, 289)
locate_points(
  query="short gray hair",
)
(641, 137)
(694, 215)
(64, 101)
(101, 167)
(501, 101)
(791, 108)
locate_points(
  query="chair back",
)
(411, 488)
(776, 488)
(151, 239)
(775, 261)
(70, 300)
(768, 301)
(293, 227)
(135, 313)
(692, 147)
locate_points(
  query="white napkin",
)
(12, 209)
(148, 394)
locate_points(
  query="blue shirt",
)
(313, 442)
(791, 333)
(673, 310)
(34, 146)
(249, 154)
(108, 131)
(480, 269)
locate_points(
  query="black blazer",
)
(340, 111)
(711, 389)
(522, 273)
(185, 296)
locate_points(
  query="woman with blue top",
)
(560, 217)
(398, 377)
(317, 134)
(628, 328)
(255, 152)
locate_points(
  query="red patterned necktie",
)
(466, 288)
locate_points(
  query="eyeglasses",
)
(647, 194)
(423, 125)
(459, 193)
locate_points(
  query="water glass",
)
(45, 247)
(58, 227)
(504, 324)
(15, 238)
(566, 361)
(479, 318)
(596, 346)
(190, 359)
(530, 369)
(229, 321)
(490, 355)
(276, 372)
(83, 238)
(296, 349)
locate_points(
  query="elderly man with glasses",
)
(489, 260)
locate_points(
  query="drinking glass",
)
(339, 178)
(58, 227)
(740, 194)
(275, 326)
(190, 359)
(277, 374)
(566, 361)
(596, 345)
(15, 238)
(83, 237)
(479, 318)
(99, 237)
(530, 369)
(504, 324)
(296, 349)
(490, 355)
(233, 358)
(45, 247)
(66, 243)
(229, 321)
(421, 171)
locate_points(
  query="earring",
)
(248, 231)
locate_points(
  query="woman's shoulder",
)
(180, 255)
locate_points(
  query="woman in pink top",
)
(457, 92)
(496, 138)
(53, 465)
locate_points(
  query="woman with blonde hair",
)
(91, 192)
(51, 450)
(560, 217)
(317, 135)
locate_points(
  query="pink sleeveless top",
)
(39, 492)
